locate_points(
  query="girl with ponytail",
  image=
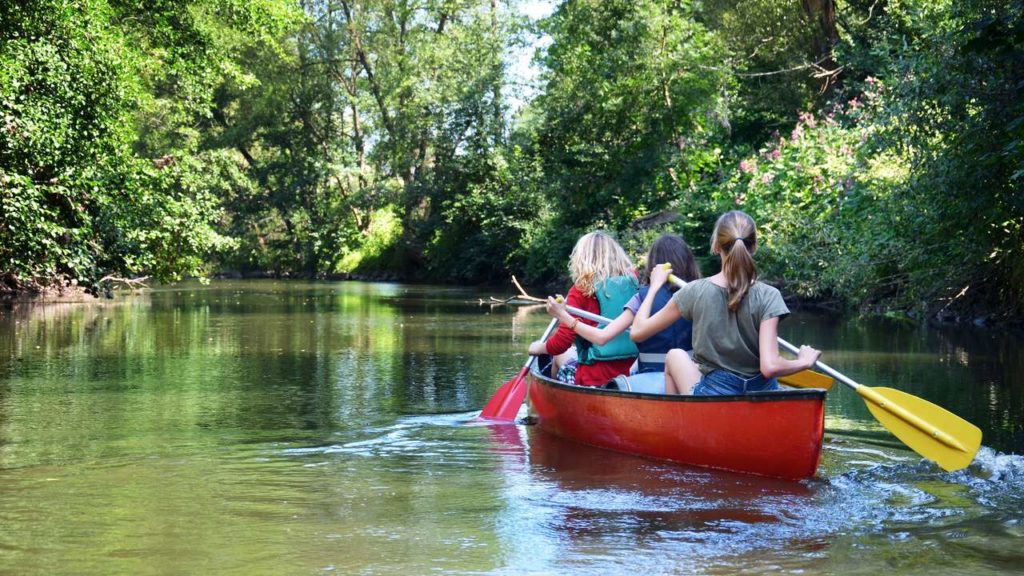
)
(735, 321)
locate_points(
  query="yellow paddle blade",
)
(929, 430)
(807, 379)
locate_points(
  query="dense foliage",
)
(880, 143)
(99, 165)
(904, 190)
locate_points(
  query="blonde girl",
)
(735, 321)
(603, 280)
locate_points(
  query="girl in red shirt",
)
(601, 273)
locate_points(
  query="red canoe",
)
(775, 434)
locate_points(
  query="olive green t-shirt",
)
(723, 339)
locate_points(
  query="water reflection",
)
(598, 511)
(575, 502)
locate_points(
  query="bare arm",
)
(645, 325)
(538, 348)
(563, 338)
(590, 333)
(772, 364)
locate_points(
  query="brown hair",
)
(596, 258)
(674, 250)
(735, 239)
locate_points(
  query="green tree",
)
(781, 54)
(98, 101)
(954, 109)
(377, 114)
(632, 108)
(904, 196)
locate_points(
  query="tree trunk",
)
(822, 13)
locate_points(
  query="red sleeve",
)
(563, 338)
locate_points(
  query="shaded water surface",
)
(294, 428)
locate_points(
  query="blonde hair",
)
(596, 258)
(735, 238)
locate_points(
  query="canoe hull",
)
(775, 434)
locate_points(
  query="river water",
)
(267, 427)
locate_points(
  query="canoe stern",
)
(777, 434)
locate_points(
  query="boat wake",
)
(570, 499)
(436, 439)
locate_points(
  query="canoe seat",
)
(645, 383)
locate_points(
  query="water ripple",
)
(555, 490)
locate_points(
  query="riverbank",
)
(16, 289)
(963, 312)
(341, 276)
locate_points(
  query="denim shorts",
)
(725, 383)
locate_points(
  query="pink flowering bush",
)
(813, 192)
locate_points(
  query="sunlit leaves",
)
(99, 104)
(632, 88)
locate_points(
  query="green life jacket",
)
(612, 295)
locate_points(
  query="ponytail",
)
(735, 238)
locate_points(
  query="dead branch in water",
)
(523, 294)
(131, 283)
(521, 298)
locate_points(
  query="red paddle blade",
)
(504, 405)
